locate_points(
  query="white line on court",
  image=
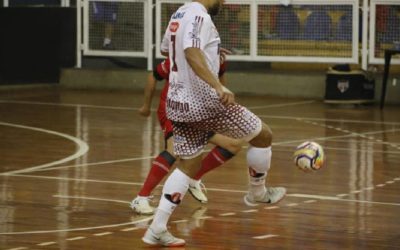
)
(102, 234)
(78, 229)
(90, 198)
(320, 197)
(281, 105)
(131, 108)
(129, 229)
(227, 214)
(261, 237)
(327, 120)
(98, 163)
(179, 221)
(46, 243)
(68, 105)
(270, 208)
(332, 198)
(82, 148)
(250, 211)
(76, 238)
(283, 143)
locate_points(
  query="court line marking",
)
(333, 198)
(327, 120)
(89, 198)
(267, 236)
(17, 248)
(254, 107)
(70, 105)
(179, 221)
(83, 148)
(46, 243)
(227, 214)
(250, 211)
(78, 229)
(76, 238)
(308, 196)
(103, 233)
(281, 105)
(339, 136)
(129, 229)
(131, 108)
(273, 144)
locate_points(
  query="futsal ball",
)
(309, 156)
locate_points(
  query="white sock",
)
(193, 182)
(258, 161)
(174, 190)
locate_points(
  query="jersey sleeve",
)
(197, 32)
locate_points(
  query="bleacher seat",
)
(287, 23)
(344, 29)
(318, 26)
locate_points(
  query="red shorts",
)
(166, 125)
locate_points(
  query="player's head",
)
(215, 6)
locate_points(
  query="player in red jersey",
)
(164, 161)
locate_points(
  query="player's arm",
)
(165, 44)
(222, 79)
(149, 90)
(197, 62)
(222, 67)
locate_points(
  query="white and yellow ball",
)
(309, 156)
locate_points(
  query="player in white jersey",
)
(200, 107)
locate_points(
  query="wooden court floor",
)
(71, 161)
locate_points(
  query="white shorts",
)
(236, 122)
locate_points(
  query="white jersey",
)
(190, 98)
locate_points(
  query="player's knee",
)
(264, 138)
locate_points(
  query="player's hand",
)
(226, 96)
(144, 111)
(222, 54)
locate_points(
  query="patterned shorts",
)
(236, 122)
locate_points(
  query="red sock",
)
(160, 168)
(214, 159)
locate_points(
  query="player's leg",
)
(110, 18)
(259, 156)
(226, 148)
(189, 144)
(239, 122)
(159, 169)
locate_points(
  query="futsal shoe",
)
(141, 205)
(196, 190)
(271, 195)
(164, 238)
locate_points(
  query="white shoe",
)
(271, 195)
(196, 190)
(141, 205)
(164, 238)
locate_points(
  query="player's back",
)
(189, 97)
